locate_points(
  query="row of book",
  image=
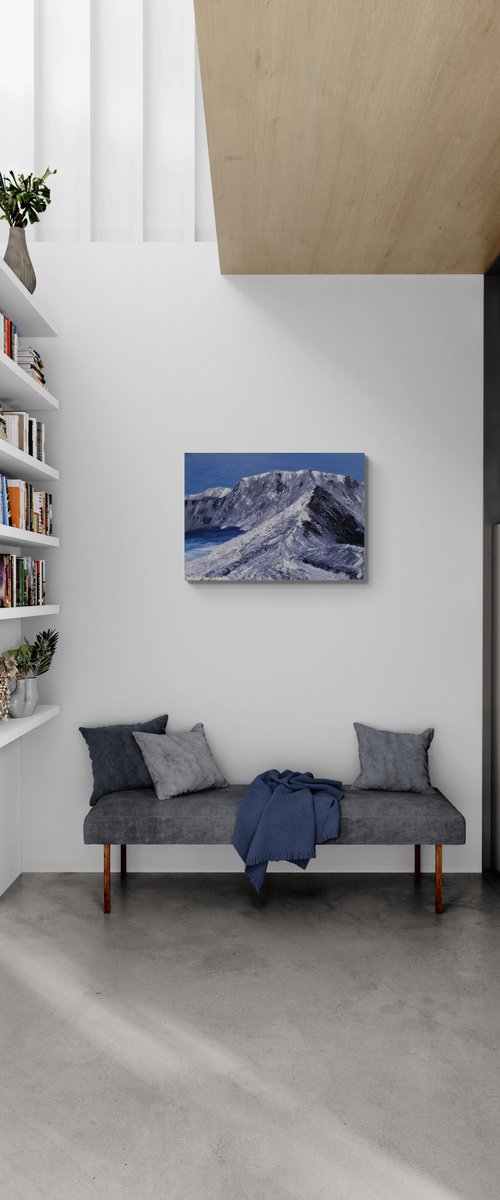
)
(22, 581)
(9, 337)
(23, 431)
(24, 506)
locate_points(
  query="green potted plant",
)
(22, 199)
(32, 659)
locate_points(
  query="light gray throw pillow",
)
(180, 762)
(390, 762)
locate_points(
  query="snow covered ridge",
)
(295, 525)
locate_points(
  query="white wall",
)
(11, 840)
(159, 355)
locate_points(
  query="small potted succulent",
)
(32, 659)
(22, 199)
(8, 677)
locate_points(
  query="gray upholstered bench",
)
(207, 818)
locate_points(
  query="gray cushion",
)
(180, 762)
(117, 762)
(393, 762)
(399, 818)
(202, 817)
(207, 818)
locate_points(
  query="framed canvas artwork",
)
(275, 517)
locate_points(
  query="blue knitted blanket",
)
(284, 816)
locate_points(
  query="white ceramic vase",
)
(24, 700)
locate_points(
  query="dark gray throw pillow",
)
(117, 762)
(180, 762)
(393, 762)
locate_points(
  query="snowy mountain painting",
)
(275, 517)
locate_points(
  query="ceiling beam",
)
(353, 136)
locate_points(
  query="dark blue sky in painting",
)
(204, 471)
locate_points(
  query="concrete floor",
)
(334, 1040)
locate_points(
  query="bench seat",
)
(207, 818)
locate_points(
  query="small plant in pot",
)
(22, 199)
(32, 659)
(8, 677)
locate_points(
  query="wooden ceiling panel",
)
(353, 136)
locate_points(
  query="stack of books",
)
(24, 432)
(22, 581)
(29, 359)
(24, 506)
(9, 340)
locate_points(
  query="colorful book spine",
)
(5, 500)
(16, 490)
(9, 338)
(7, 580)
(22, 582)
(25, 506)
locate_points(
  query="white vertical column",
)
(62, 115)
(169, 120)
(116, 120)
(16, 89)
(204, 200)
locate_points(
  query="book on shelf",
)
(4, 499)
(39, 441)
(9, 338)
(25, 506)
(31, 362)
(22, 582)
(25, 356)
(25, 432)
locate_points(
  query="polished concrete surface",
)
(334, 1040)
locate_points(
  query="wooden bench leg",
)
(439, 878)
(417, 862)
(107, 878)
(123, 861)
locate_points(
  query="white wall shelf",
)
(12, 728)
(18, 390)
(17, 303)
(28, 610)
(11, 536)
(18, 465)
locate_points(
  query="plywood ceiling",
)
(353, 135)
